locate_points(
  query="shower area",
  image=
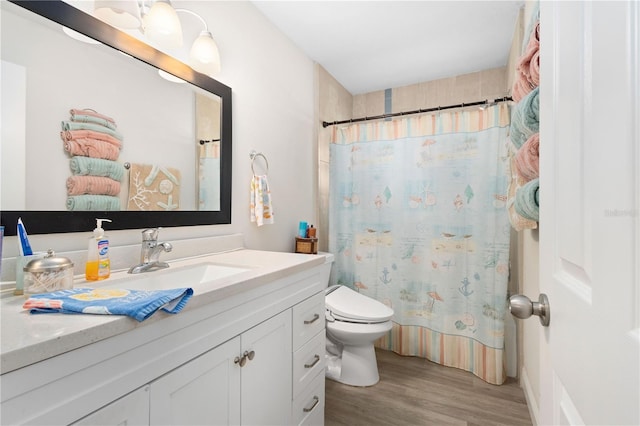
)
(414, 210)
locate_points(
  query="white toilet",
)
(354, 322)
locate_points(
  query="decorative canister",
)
(48, 274)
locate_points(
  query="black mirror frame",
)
(51, 222)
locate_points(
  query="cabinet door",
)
(131, 410)
(204, 391)
(266, 379)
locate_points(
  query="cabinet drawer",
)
(308, 319)
(308, 361)
(308, 407)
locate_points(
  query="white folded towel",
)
(260, 201)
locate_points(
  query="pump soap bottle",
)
(98, 266)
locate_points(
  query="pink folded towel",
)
(528, 159)
(528, 67)
(92, 148)
(91, 112)
(93, 185)
(68, 135)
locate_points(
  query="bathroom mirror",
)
(157, 118)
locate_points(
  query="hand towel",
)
(153, 187)
(83, 166)
(525, 119)
(70, 125)
(89, 134)
(80, 203)
(94, 113)
(82, 118)
(96, 185)
(528, 158)
(260, 201)
(92, 148)
(137, 304)
(527, 200)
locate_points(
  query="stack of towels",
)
(523, 201)
(94, 143)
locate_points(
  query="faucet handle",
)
(150, 234)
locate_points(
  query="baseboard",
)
(532, 401)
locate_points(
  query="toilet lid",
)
(350, 305)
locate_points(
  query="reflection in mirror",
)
(159, 156)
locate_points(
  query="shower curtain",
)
(417, 220)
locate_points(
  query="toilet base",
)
(356, 367)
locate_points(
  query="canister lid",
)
(49, 263)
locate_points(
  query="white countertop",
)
(27, 338)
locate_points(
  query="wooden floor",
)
(414, 391)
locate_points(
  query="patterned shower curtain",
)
(418, 221)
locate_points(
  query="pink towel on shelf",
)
(91, 112)
(528, 158)
(92, 148)
(92, 185)
(68, 135)
(528, 64)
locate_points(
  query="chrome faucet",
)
(150, 252)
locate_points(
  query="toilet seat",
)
(345, 304)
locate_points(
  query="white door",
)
(589, 213)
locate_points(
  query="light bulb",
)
(162, 26)
(204, 56)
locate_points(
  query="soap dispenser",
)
(98, 266)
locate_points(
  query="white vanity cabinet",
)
(253, 357)
(220, 388)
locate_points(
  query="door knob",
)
(522, 307)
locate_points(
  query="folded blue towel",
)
(527, 202)
(72, 125)
(525, 118)
(83, 166)
(82, 203)
(82, 118)
(137, 304)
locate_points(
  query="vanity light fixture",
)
(159, 23)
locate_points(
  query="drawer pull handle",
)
(315, 402)
(316, 359)
(311, 321)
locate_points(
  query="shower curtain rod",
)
(418, 111)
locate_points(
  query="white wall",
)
(273, 113)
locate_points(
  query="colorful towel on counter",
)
(153, 187)
(137, 304)
(94, 185)
(86, 166)
(260, 201)
(80, 203)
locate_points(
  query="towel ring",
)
(253, 154)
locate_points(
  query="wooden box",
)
(307, 245)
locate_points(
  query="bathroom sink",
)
(178, 277)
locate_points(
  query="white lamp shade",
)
(118, 13)
(204, 56)
(162, 26)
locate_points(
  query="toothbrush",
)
(25, 247)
